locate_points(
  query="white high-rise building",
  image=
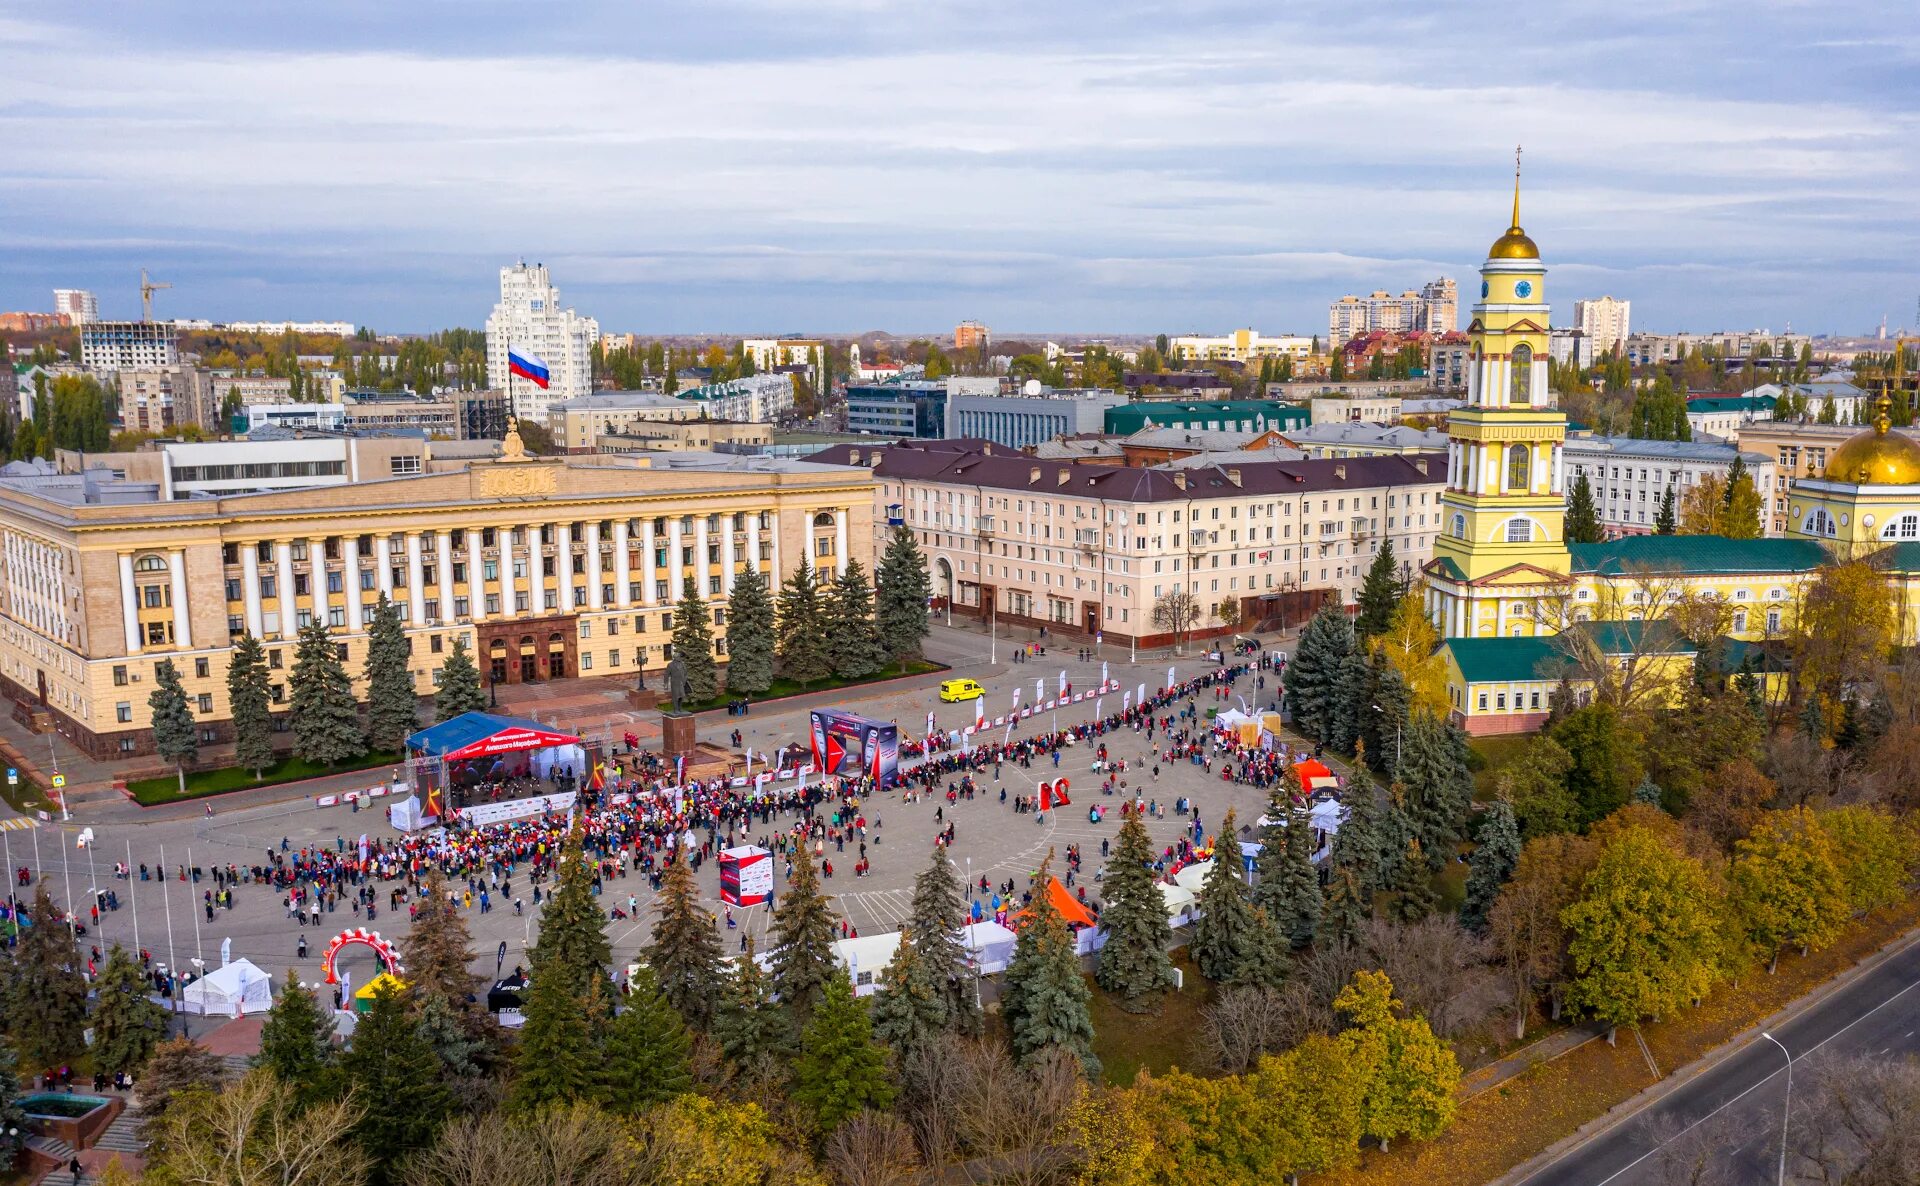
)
(79, 305)
(1604, 321)
(529, 319)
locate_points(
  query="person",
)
(74, 1167)
(301, 950)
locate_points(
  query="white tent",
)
(407, 815)
(1179, 903)
(991, 946)
(237, 988)
(1193, 876)
(865, 958)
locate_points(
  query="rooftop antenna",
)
(147, 289)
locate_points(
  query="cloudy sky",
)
(843, 165)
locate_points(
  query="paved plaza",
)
(990, 838)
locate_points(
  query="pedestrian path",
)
(18, 823)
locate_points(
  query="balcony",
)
(1196, 540)
(984, 526)
(1087, 538)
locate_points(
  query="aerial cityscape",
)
(869, 596)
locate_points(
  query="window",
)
(202, 668)
(120, 676)
(586, 660)
(1904, 527)
(206, 702)
(1519, 462)
(1482, 702)
(1521, 388)
(613, 658)
(1773, 621)
(1519, 531)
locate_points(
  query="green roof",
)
(1698, 555)
(1901, 558)
(1239, 415)
(1450, 568)
(1731, 403)
(1507, 660)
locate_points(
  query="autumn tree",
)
(1526, 925)
(1408, 1076)
(1786, 884)
(1643, 932)
(1412, 645)
(1842, 632)
(1535, 783)
(1874, 854)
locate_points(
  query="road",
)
(1878, 1015)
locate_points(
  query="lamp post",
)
(1786, 1111)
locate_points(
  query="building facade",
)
(1228, 415)
(751, 399)
(915, 408)
(971, 335)
(772, 353)
(1606, 322)
(392, 411)
(77, 305)
(1723, 416)
(1241, 345)
(529, 318)
(1021, 421)
(547, 568)
(1434, 309)
(1630, 477)
(578, 424)
(110, 346)
(166, 399)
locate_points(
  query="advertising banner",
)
(848, 744)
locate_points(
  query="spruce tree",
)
(685, 952)
(1223, 935)
(750, 635)
(1133, 966)
(1362, 841)
(439, 956)
(1648, 792)
(46, 996)
(1269, 865)
(1583, 520)
(557, 1061)
(1384, 717)
(693, 643)
(13, 1118)
(647, 1050)
(573, 946)
(1491, 865)
(1666, 519)
(840, 1072)
(802, 934)
(752, 1031)
(459, 690)
(910, 1009)
(463, 1048)
(126, 1025)
(326, 721)
(801, 644)
(174, 735)
(393, 710)
(247, 702)
(1297, 907)
(938, 916)
(854, 650)
(904, 589)
(1268, 960)
(389, 1060)
(1044, 997)
(296, 1042)
(1414, 895)
(1313, 679)
(1353, 701)
(1379, 594)
(1437, 785)
(178, 1066)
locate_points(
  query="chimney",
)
(1233, 475)
(1033, 475)
(1340, 472)
(1180, 478)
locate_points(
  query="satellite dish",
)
(1032, 387)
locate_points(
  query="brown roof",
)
(967, 463)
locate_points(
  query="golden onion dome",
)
(1513, 245)
(1877, 456)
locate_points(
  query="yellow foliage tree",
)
(1786, 884)
(1874, 853)
(1114, 1138)
(696, 1141)
(1644, 932)
(1843, 630)
(1408, 1076)
(1412, 645)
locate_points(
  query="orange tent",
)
(1069, 906)
(1310, 770)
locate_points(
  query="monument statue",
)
(676, 684)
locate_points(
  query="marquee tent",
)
(1063, 900)
(1314, 773)
(237, 988)
(991, 946)
(1193, 876)
(865, 958)
(1179, 903)
(481, 735)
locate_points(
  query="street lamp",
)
(1786, 1112)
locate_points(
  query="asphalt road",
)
(1876, 1015)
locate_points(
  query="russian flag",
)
(527, 366)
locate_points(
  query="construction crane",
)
(147, 289)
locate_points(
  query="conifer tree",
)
(685, 952)
(1045, 998)
(909, 1011)
(459, 690)
(841, 1072)
(1297, 907)
(1133, 966)
(1314, 677)
(178, 1066)
(750, 635)
(752, 1031)
(296, 1042)
(393, 709)
(126, 1025)
(693, 643)
(1648, 792)
(1379, 594)
(802, 933)
(174, 736)
(1268, 961)
(1666, 520)
(389, 1060)
(13, 1118)
(1491, 865)
(1437, 786)
(854, 650)
(1224, 934)
(46, 997)
(801, 642)
(1347, 907)
(1415, 898)
(463, 1047)
(326, 721)
(904, 589)
(247, 703)
(557, 1061)
(1583, 520)
(439, 956)
(1384, 717)
(1366, 841)
(938, 916)
(1353, 701)
(647, 1050)
(573, 947)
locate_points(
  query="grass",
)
(151, 792)
(1493, 754)
(1125, 1042)
(783, 688)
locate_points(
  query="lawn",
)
(1125, 1042)
(1492, 754)
(151, 792)
(783, 688)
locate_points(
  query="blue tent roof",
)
(470, 728)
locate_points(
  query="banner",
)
(1170, 679)
(1039, 688)
(1103, 673)
(845, 743)
(1140, 695)
(979, 709)
(1126, 701)
(1063, 681)
(929, 733)
(493, 813)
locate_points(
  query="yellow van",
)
(954, 691)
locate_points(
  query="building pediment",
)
(1520, 575)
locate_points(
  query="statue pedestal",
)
(643, 698)
(676, 733)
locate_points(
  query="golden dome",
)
(1877, 457)
(1513, 245)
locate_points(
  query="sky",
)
(1067, 166)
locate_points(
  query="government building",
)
(549, 568)
(1503, 580)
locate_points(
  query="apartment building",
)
(1241, 345)
(1629, 476)
(577, 424)
(1434, 309)
(77, 305)
(166, 399)
(529, 318)
(1724, 414)
(113, 346)
(1605, 321)
(971, 335)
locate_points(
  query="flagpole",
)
(199, 952)
(134, 900)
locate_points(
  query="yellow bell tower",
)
(1501, 562)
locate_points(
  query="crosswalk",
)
(18, 823)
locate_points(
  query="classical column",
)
(840, 540)
(250, 585)
(416, 582)
(700, 555)
(317, 578)
(443, 564)
(727, 558)
(674, 582)
(594, 598)
(289, 609)
(177, 571)
(563, 564)
(350, 582)
(129, 604)
(476, 577)
(505, 537)
(622, 564)
(773, 534)
(383, 561)
(646, 561)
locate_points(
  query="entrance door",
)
(556, 664)
(499, 670)
(529, 669)
(1092, 618)
(43, 687)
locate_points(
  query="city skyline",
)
(731, 173)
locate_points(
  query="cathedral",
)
(1504, 581)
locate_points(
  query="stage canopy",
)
(482, 734)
